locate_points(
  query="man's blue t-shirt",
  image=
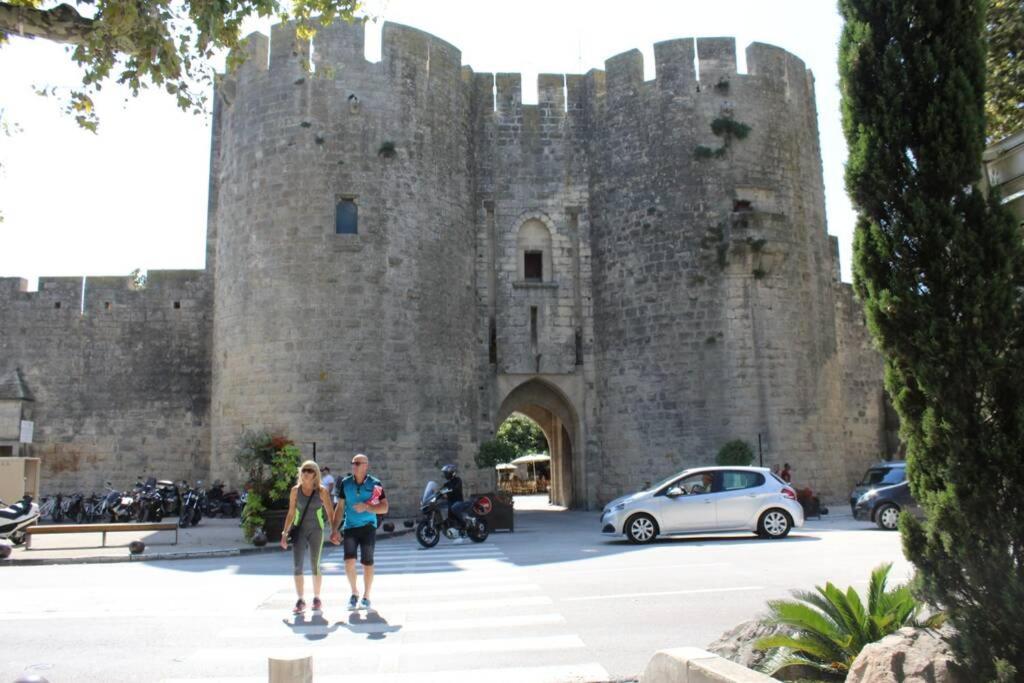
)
(354, 493)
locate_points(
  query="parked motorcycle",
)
(149, 505)
(14, 519)
(219, 502)
(435, 520)
(73, 508)
(170, 495)
(192, 504)
(116, 505)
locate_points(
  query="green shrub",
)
(832, 627)
(270, 462)
(736, 452)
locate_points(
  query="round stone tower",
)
(712, 267)
(340, 235)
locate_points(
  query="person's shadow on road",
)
(313, 628)
(370, 623)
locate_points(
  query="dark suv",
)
(882, 494)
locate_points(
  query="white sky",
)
(134, 196)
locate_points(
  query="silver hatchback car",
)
(707, 499)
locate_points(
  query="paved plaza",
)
(553, 601)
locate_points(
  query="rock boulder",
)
(910, 655)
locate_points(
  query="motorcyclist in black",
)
(453, 492)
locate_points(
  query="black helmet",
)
(448, 471)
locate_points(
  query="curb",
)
(154, 557)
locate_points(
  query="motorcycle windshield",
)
(429, 492)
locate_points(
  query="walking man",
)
(328, 481)
(362, 498)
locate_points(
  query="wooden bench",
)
(99, 528)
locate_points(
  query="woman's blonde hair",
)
(316, 469)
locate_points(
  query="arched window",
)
(533, 251)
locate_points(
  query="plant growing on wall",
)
(726, 128)
(940, 269)
(270, 462)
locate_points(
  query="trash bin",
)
(495, 509)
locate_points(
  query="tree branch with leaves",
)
(154, 43)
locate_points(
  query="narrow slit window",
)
(346, 218)
(533, 266)
(493, 350)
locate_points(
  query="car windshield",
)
(883, 476)
(665, 482)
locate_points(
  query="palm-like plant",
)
(832, 626)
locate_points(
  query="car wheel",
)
(774, 523)
(887, 517)
(641, 529)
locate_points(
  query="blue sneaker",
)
(352, 601)
(364, 604)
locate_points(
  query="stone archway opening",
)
(547, 406)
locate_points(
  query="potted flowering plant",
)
(270, 462)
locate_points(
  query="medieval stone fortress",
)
(401, 254)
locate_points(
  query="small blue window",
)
(346, 218)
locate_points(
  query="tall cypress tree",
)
(940, 270)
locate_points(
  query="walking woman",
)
(309, 509)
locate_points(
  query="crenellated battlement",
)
(179, 291)
(682, 66)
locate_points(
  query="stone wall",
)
(121, 385)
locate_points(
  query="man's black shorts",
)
(362, 537)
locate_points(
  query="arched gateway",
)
(549, 407)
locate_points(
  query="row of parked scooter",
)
(150, 500)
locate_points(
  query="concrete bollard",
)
(290, 670)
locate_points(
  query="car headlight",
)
(620, 506)
(867, 496)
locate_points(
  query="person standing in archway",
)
(361, 497)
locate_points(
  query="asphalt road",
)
(554, 601)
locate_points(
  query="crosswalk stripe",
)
(444, 548)
(264, 630)
(430, 594)
(432, 605)
(464, 550)
(325, 650)
(572, 673)
(423, 557)
(424, 562)
(663, 593)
